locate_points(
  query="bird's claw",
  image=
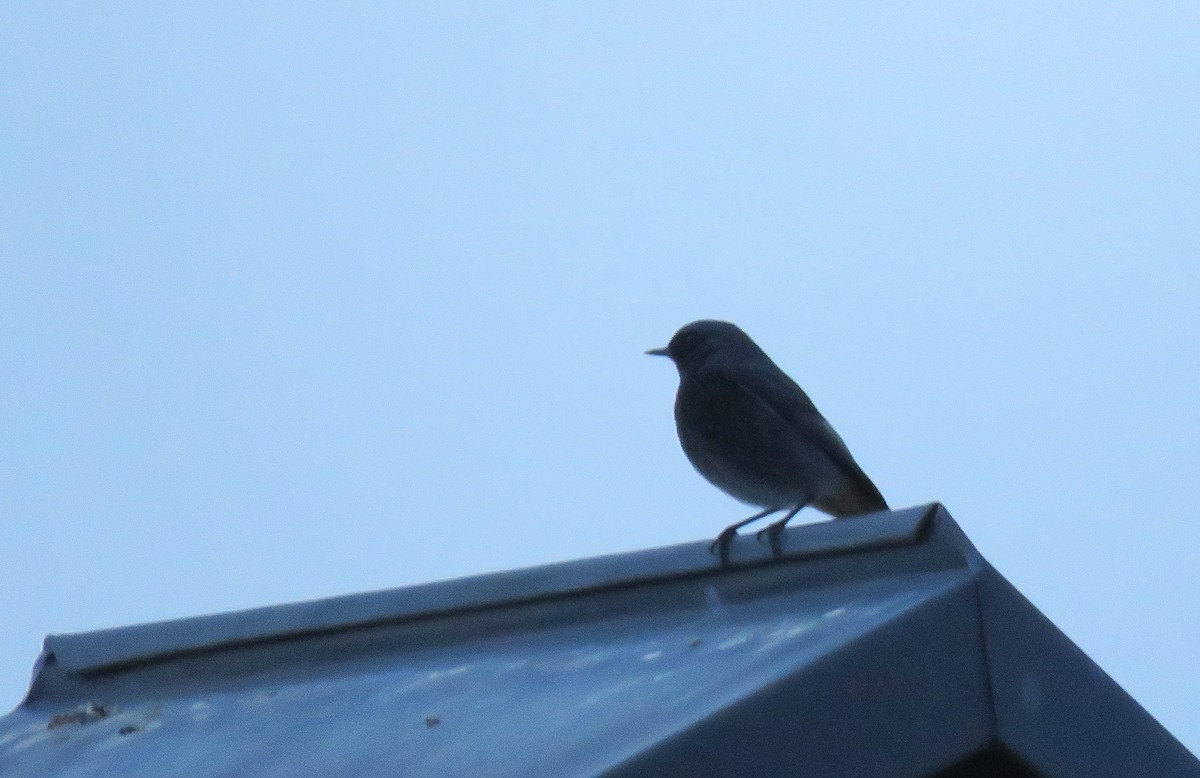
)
(720, 546)
(774, 534)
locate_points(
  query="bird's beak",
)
(658, 352)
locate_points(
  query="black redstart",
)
(753, 433)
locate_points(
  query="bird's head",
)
(701, 341)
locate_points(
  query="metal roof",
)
(879, 646)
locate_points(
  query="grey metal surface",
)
(868, 651)
(1056, 708)
(904, 698)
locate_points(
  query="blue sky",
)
(308, 299)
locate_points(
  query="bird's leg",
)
(774, 531)
(720, 546)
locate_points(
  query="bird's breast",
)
(746, 450)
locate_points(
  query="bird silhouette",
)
(753, 433)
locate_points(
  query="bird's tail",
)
(857, 498)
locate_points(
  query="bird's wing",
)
(784, 397)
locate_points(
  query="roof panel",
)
(864, 652)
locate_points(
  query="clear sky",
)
(305, 299)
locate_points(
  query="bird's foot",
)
(720, 546)
(774, 535)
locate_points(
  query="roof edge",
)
(108, 649)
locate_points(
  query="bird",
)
(752, 432)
